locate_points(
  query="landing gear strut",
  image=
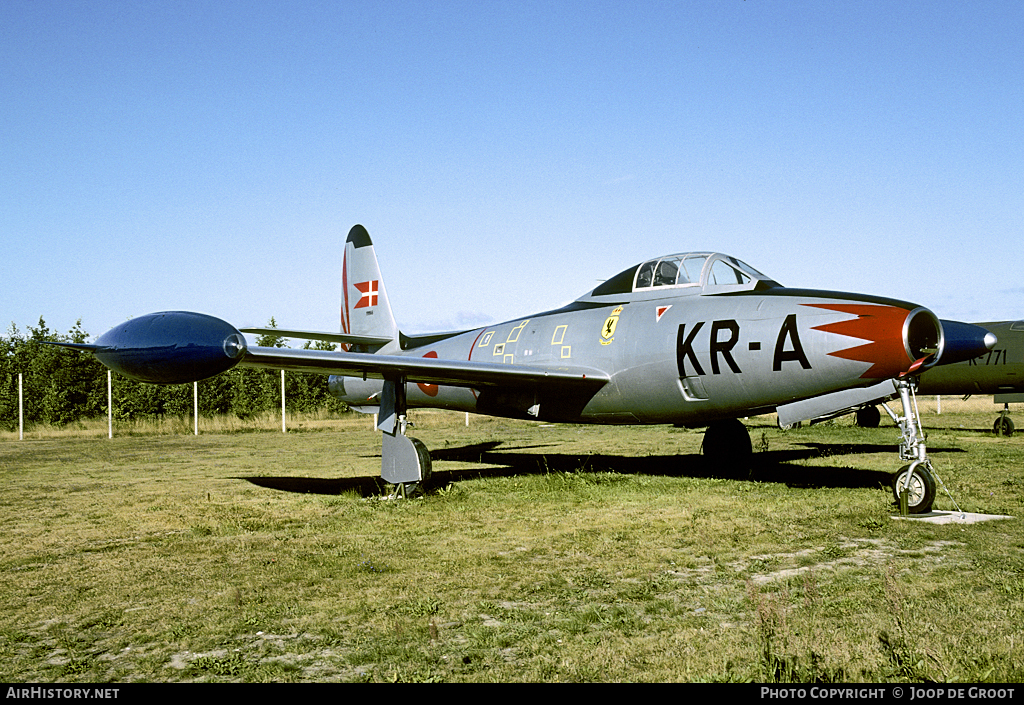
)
(918, 478)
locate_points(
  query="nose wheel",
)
(918, 482)
(1004, 424)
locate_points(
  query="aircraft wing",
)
(175, 347)
(352, 339)
(423, 370)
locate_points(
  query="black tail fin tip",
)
(359, 237)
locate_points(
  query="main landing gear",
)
(404, 461)
(727, 445)
(918, 478)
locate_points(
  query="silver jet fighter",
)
(696, 339)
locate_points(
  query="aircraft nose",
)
(893, 340)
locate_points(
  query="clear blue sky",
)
(504, 156)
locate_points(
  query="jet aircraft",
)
(699, 339)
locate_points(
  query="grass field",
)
(544, 553)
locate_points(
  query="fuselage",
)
(684, 339)
(683, 353)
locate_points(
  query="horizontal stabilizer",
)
(348, 338)
(830, 405)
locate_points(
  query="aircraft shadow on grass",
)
(767, 466)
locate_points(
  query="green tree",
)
(271, 340)
(61, 385)
(9, 379)
(308, 392)
(215, 395)
(255, 391)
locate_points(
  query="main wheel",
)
(868, 416)
(1003, 426)
(920, 491)
(727, 448)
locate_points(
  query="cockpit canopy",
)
(699, 272)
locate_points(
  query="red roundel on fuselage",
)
(429, 389)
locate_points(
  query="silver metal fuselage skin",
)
(689, 338)
(684, 356)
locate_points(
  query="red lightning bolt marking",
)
(882, 326)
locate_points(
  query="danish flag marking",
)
(368, 291)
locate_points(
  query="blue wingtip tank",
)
(171, 347)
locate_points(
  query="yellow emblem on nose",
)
(608, 329)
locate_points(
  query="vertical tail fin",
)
(365, 308)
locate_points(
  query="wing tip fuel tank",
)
(171, 347)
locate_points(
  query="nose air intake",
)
(902, 340)
(922, 338)
(932, 342)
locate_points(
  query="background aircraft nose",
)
(964, 341)
(172, 347)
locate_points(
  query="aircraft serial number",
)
(994, 357)
(725, 334)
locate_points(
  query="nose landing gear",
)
(917, 479)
